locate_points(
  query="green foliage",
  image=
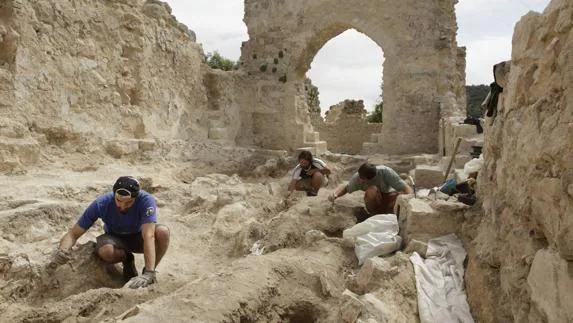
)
(376, 115)
(216, 61)
(475, 94)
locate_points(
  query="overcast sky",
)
(350, 65)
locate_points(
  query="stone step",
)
(311, 136)
(467, 143)
(317, 148)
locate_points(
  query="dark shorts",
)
(388, 202)
(132, 242)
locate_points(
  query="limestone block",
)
(418, 246)
(312, 236)
(447, 206)
(328, 285)
(350, 307)
(373, 272)
(464, 131)
(551, 284)
(118, 148)
(426, 176)
(459, 161)
(311, 136)
(147, 144)
(418, 217)
(17, 153)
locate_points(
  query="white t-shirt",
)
(299, 173)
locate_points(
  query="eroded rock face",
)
(79, 74)
(528, 171)
(420, 52)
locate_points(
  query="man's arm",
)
(407, 190)
(148, 232)
(325, 171)
(70, 238)
(291, 186)
(337, 194)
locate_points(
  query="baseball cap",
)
(126, 186)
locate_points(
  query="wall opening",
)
(343, 86)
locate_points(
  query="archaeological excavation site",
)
(481, 228)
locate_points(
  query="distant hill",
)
(475, 95)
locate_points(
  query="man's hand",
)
(333, 196)
(60, 257)
(146, 279)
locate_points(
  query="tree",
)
(376, 115)
(216, 61)
(475, 94)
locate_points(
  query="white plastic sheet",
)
(440, 282)
(377, 236)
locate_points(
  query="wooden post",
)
(453, 157)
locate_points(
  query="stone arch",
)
(344, 127)
(318, 41)
(418, 40)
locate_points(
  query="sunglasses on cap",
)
(122, 194)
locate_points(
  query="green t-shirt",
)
(386, 179)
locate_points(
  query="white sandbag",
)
(376, 223)
(474, 165)
(375, 244)
(377, 236)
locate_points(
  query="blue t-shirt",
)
(143, 211)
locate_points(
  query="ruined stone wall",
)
(418, 40)
(520, 265)
(345, 127)
(82, 74)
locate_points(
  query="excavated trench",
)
(212, 272)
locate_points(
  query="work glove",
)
(146, 279)
(60, 257)
(333, 196)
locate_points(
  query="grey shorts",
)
(132, 242)
(306, 183)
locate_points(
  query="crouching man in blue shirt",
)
(129, 215)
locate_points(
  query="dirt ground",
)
(238, 252)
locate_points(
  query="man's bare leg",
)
(373, 200)
(161, 242)
(316, 181)
(110, 254)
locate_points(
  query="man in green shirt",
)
(381, 185)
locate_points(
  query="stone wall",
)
(418, 40)
(523, 251)
(345, 127)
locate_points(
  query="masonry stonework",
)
(418, 40)
(345, 127)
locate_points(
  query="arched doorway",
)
(343, 86)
